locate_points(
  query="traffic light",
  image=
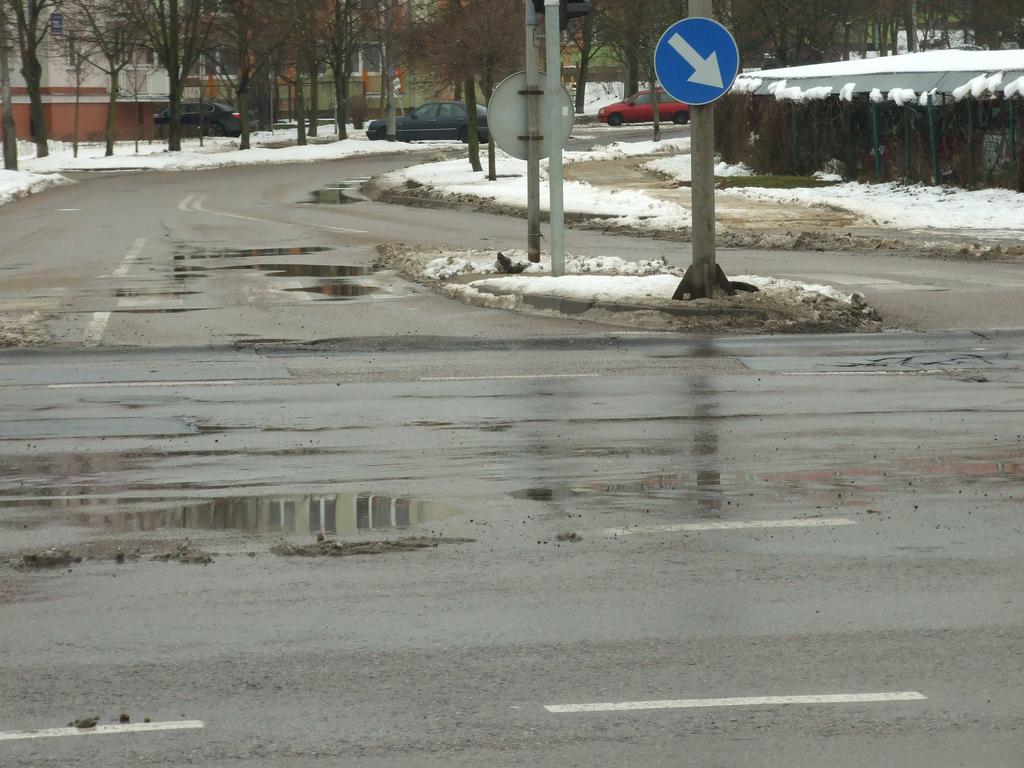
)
(567, 9)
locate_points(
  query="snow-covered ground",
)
(679, 167)
(909, 207)
(622, 207)
(15, 184)
(216, 153)
(601, 95)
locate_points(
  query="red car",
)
(639, 108)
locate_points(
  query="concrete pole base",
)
(694, 286)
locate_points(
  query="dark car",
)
(639, 108)
(436, 121)
(216, 119)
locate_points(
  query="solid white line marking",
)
(839, 698)
(97, 325)
(182, 383)
(198, 207)
(183, 205)
(508, 378)
(178, 725)
(130, 257)
(736, 525)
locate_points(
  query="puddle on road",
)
(339, 193)
(248, 253)
(300, 270)
(332, 513)
(335, 281)
(168, 294)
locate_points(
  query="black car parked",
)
(438, 120)
(216, 119)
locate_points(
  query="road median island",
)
(614, 291)
(648, 196)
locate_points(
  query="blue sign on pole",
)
(697, 61)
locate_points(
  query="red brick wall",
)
(92, 120)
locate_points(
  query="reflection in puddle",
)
(299, 513)
(245, 253)
(338, 290)
(301, 270)
(339, 193)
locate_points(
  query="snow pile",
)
(679, 168)
(640, 289)
(26, 330)
(1014, 88)
(485, 263)
(901, 96)
(16, 184)
(979, 86)
(639, 294)
(909, 206)
(455, 179)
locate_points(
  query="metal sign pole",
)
(553, 36)
(533, 144)
(702, 149)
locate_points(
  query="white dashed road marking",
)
(838, 698)
(100, 730)
(98, 323)
(513, 378)
(736, 525)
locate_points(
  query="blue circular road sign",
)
(697, 61)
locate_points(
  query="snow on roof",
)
(955, 72)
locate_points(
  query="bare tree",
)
(112, 41)
(475, 43)
(253, 32)
(344, 36)
(177, 30)
(31, 19)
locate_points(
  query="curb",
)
(579, 306)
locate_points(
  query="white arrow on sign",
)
(705, 71)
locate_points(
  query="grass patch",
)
(772, 182)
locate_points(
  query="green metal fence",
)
(969, 143)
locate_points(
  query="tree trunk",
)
(33, 74)
(632, 75)
(7, 133)
(112, 113)
(243, 113)
(341, 97)
(300, 110)
(74, 130)
(174, 116)
(910, 21)
(314, 100)
(581, 78)
(473, 137)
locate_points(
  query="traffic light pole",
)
(533, 129)
(552, 46)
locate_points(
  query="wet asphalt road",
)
(238, 406)
(449, 656)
